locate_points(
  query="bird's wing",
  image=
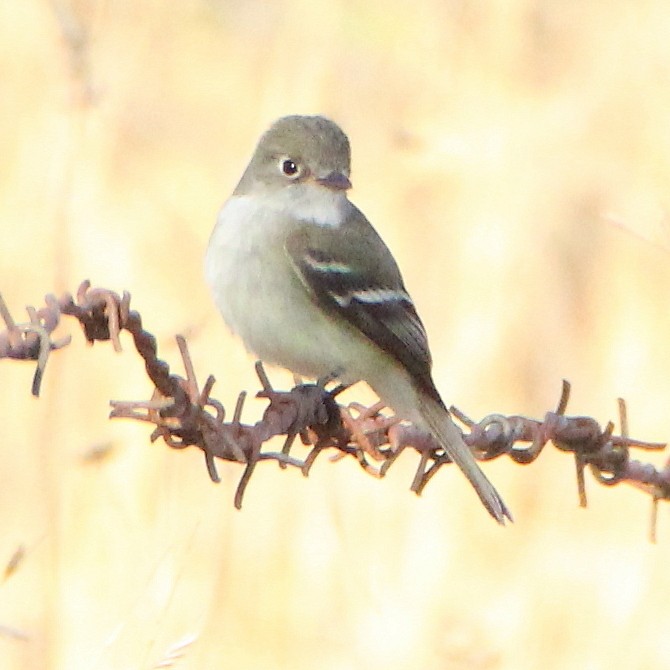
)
(349, 272)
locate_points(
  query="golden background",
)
(516, 157)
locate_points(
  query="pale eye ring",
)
(289, 167)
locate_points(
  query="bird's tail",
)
(441, 425)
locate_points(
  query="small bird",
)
(302, 277)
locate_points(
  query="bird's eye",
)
(289, 167)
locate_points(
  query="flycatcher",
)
(303, 278)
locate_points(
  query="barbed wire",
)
(184, 415)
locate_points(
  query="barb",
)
(185, 416)
(32, 340)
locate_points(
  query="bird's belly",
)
(274, 315)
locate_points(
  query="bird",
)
(302, 277)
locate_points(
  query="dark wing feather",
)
(369, 296)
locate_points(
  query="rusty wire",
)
(185, 416)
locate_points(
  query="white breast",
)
(238, 260)
(259, 293)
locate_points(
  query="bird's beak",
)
(335, 181)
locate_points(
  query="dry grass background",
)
(496, 146)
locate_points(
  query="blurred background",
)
(515, 155)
